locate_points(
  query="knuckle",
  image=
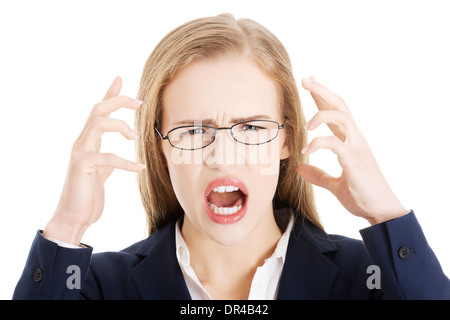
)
(96, 108)
(108, 158)
(313, 142)
(317, 143)
(123, 125)
(76, 155)
(345, 116)
(77, 158)
(112, 159)
(335, 140)
(341, 101)
(97, 122)
(320, 114)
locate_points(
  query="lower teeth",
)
(224, 211)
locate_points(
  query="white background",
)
(388, 59)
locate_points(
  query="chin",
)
(230, 235)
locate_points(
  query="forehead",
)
(221, 90)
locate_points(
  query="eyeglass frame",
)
(222, 128)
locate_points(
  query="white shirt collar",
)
(183, 251)
(265, 281)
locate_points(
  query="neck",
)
(227, 271)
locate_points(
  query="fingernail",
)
(307, 124)
(140, 165)
(117, 78)
(304, 150)
(138, 101)
(133, 134)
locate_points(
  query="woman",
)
(223, 175)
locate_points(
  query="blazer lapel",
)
(158, 275)
(307, 272)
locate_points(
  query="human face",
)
(221, 93)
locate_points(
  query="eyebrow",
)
(211, 122)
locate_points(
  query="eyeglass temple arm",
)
(160, 135)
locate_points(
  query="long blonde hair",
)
(205, 39)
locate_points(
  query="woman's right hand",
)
(82, 198)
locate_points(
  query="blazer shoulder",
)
(347, 253)
(327, 243)
(324, 266)
(147, 269)
(109, 275)
(350, 250)
(110, 256)
(133, 254)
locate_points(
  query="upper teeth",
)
(222, 189)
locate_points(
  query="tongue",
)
(226, 199)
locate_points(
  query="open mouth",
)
(226, 200)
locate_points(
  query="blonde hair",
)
(205, 39)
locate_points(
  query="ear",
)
(285, 153)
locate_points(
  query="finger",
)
(317, 176)
(106, 107)
(101, 125)
(332, 143)
(324, 98)
(339, 122)
(114, 88)
(110, 160)
(91, 138)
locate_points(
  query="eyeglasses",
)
(253, 132)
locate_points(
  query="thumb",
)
(317, 176)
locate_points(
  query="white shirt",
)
(265, 281)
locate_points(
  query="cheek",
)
(264, 177)
(265, 171)
(176, 156)
(266, 158)
(184, 179)
(184, 175)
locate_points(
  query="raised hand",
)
(361, 188)
(82, 198)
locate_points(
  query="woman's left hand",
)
(361, 188)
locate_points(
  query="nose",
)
(224, 153)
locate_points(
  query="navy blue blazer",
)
(317, 266)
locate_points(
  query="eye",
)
(250, 127)
(196, 131)
(193, 131)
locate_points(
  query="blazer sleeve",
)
(52, 271)
(409, 268)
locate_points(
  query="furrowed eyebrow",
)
(206, 122)
(210, 122)
(255, 117)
